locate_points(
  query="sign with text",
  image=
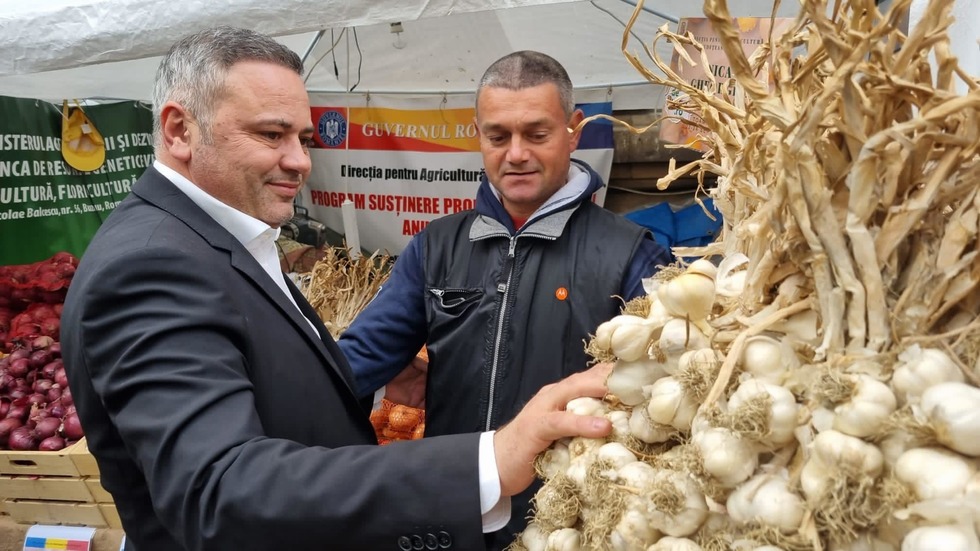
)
(405, 161)
(753, 32)
(45, 205)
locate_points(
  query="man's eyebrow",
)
(529, 124)
(284, 124)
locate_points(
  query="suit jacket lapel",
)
(307, 309)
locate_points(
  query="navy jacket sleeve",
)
(649, 257)
(388, 333)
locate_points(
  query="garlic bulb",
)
(678, 336)
(691, 512)
(620, 424)
(555, 459)
(604, 333)
(586, 405)
(951, 537)
(658, 314)
(669, 543)
(954, 411)
(630, 342)
(920, 368)
(644, 429)
(690, 295)
(534, 538)
(935, 472)
(867, 410)
(832, 452)
(627, 379)
(701, 359)
(766, 499)
(725, 455)
(633, 531)
(782, 412)
(768, 359)
(564, 539)
(670, 404)
(615, 454)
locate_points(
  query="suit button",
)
(431, 542)
(404, 543)
(417, 543)
(445, 540)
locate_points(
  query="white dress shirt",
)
(260, 240)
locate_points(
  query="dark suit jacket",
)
(220, 420)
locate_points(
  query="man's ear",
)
(573, 122)
(175, 124)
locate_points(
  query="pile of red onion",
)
(36, 408)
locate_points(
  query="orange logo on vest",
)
(561, 293)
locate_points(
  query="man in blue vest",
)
(505, 295)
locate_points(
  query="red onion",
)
(47, 427)
(16, 393)
(21, 438)
(4, 407)
(61, 377)
(19, 367)
(42, 385)
(50, 368)
(58, 307)
(55, 347)
(6, 426)
(54, 394)
(40, 357)
(66, 398)
(72, 427)
(36, 398)
(18, 412)
(51, 444)
(19, 353)
(56, 409)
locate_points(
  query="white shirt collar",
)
(245, 228)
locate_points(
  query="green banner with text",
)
(47, 206)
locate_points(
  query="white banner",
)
(404, 161)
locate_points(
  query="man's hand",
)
(544, 420)
(408, 387)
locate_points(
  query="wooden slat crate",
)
(61, 487)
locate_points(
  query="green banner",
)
(47, 206)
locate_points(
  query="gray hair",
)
(527, 69)
(193, 72)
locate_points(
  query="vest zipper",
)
(505, 289)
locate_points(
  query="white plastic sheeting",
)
(41, 35)
(111, 48)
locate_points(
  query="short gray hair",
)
(193, 71)
(527, 69)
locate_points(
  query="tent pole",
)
(313, 43)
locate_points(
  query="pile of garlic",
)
(793, 455)
(814, 386)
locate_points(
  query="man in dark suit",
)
(219, 409)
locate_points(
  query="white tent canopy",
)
(57, 49)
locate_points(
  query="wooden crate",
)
(59, 463)
(61, 487)
(28, 511)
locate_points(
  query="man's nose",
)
(296, 158)
(517, 151)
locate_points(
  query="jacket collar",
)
(548, 222)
